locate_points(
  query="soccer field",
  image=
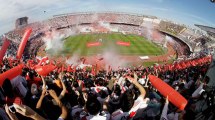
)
(138, 45)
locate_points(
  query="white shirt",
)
(118, 114)
(165, 116)
(141, 81)
(104, 116)
(98, 89)
(187, 86)
(139, 106)
(198, 90)
(121, 81)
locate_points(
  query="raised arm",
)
(44, 82)
(39, 103)
(135, 82)
(165, 109)
(63, 108)
(105, 105)
(63, 92)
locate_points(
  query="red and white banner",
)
(123, 43)
(93, 44)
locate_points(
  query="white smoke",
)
(150, 32)
(113, 60)
(54, 40)
(107, 26)
(149, 29)
(169, 39)
(73, 60)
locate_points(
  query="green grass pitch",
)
(138, 45)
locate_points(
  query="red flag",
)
(193, 63)
(45, 70)
(178, 66)
(184, 66)
(43, 60)
(75, 69)
(59, 70)
(166, 67)
(93, 70)
(204, 60)
(69, 68)
(170, 67)
(85, 68)
(62, 69)
(159, 67)
(188, 63)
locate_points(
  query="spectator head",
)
(127, 100)
(103, 94)
(8, 89)
(31, 75)
(75, 84)
(24, 72)
(34, 89)
(206, 80)
(93, 106)
(117, 90)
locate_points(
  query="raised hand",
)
(44, 93)
(52, 93)
(167, 100)
(132, 80)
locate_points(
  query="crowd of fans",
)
(171, 27)
(115, 94)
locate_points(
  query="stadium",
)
(109, 56)
(151, 29)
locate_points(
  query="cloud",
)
(15, 8)
(34, 9)
(189, 18)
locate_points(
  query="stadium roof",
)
(206, 28)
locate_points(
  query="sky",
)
(188, 12)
